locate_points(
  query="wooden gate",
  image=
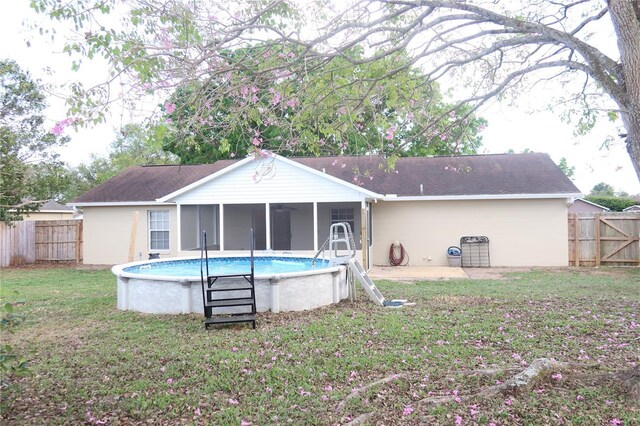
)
(58, 240)
(604, 239)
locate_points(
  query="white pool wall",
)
(297, 291)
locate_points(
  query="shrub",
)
(615, 204)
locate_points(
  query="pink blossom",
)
(57, 130)
(557, 376)
(508, 401)
(276, 99)
(60, 125)
(233, 401)
(458, 420)
(328, 388)
(390, 133)
(407, 410)
(232, 155)
(324, 397)
(169, 381)
(197, 412)
(169, 108)
(256, 141)
(338, 354)
(615, 422)
(245, 423)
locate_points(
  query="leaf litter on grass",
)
(129, 368)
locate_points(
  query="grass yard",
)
(94, 364)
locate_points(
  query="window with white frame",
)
(343, 214)
(159, 229)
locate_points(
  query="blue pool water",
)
(227, 266)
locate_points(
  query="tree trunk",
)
(625, 16)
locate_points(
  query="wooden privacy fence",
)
(611, 239)
(17, 244)
(41, 240)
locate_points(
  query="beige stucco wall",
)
(521, 232)
(107, 233)
(49, 216)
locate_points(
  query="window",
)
(159, 230)
(343, 214)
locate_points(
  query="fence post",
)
(597, 232)
(78, 241)
(576, 224)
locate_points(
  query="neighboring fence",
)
(17, 244)
(41, 240)
(611, 239)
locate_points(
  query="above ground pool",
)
(173, 286)
(264, 265)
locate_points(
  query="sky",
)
(517, 126)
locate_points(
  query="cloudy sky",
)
(516, 127)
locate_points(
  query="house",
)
(580, 205)
(518, 201)
(634, 208)
(51, 210)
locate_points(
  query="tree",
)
(276, 118)
(489, 48)
(566, 169)
(602, 190)
(30, 172)
(134, 145)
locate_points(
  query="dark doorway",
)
(281, 228)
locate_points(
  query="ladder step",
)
(230, 319)
(228, 288)
(230, 302)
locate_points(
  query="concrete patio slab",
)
(416, 273)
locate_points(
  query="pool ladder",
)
(231, 296)
(340, 239)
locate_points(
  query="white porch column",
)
(267, 219)
(221, 227)
(363, 233)
(315, 226)
(179, 227)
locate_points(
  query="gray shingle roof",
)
(147, 183)
(55, 206)
(495, 174)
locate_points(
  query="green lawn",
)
(92, 363)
